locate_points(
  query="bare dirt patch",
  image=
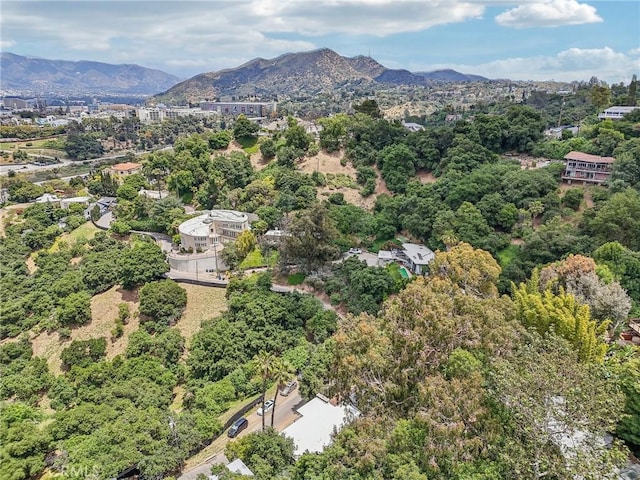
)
(31, 264)
(3, 216)
(588, 199)
(350, 195)
(381, 185)
(426, 177)
(203, 303)
(49, 346)
(517, 241)
(258, 162)
(327, 163)
(104, 311)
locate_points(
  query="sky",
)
(561, 40)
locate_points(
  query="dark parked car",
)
(288, 388)
(237, 427)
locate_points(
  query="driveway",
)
(105, 220)
(285, 415)
(371, 259)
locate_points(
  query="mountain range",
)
(291, 74)
(38, 76)
(303, 73)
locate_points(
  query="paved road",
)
(285, 415)
(4, 169)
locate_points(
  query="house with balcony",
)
(616, 113)
(210, 230)
(587, 168)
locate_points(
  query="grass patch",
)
(255, 259)
(83, 233)
(340, 180)
(249, 144)
(295, 278)
(55, 144)
(506, 255)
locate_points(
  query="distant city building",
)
(124, 169)
(587, 168)
(211, 229)
(250, 109)
(161, 113)
(616, 113)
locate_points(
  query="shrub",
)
(163, 301)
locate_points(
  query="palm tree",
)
(282, 373)
(535, 208)
(449, 239)
(263, 365)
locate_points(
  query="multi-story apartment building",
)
(587, 168)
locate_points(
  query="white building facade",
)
(212, 229)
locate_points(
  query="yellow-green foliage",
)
(561, 313)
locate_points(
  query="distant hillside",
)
(449, 75)
(41, 76)
(292, 74)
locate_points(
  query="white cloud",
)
(6, 44)
(361, 17)
(551, 13)
(567, 65)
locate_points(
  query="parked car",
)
(268, 405)
(355, 251)
(237, 427)
(288, 388)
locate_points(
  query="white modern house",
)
(616, 113)
(212, 229)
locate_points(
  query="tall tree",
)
(546, 312)
(264, 364)
(282, 372)
(559, 411)
(633, 90)
(311, 240)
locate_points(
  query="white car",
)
(268, 405)
(355, 251)
(288, 388)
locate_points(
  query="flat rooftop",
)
(199, 226)
(587, 157)
(319, 420)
